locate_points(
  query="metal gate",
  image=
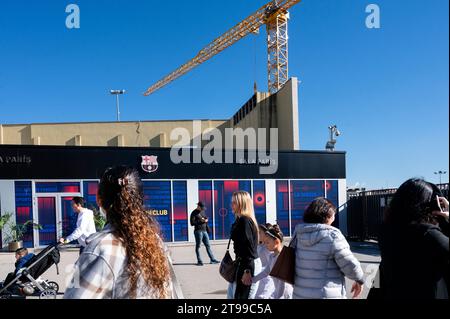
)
(365, 212)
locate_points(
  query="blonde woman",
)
(244, 234)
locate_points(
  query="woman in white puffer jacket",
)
(323, 256)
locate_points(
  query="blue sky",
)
(386, 89)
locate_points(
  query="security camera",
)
(337, 132)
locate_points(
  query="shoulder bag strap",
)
(293, 242)
(228, 246)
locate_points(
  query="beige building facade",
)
(262, 110)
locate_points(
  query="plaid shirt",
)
(100, 272)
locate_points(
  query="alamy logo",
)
(373, 19)
(73, 19)
(149, 163)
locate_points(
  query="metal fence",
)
(365, 212)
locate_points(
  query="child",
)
(263, 252)
(271, 287)
(265, 256)
(22, 257)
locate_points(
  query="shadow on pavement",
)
(366, 248)
(217, 292)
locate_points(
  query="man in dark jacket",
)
(200, 222)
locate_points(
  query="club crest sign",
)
(149, 163)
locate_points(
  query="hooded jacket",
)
(323, 259)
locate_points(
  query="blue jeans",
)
(202, 236)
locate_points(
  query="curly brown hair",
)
(120, 194)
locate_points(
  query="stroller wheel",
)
(48, 294)
(6, 295)
(53, 285)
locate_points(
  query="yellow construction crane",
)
(275, 16)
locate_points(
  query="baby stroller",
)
(27, 282)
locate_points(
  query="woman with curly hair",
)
(127, 258)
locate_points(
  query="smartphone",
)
(439, 203)
(435, 205)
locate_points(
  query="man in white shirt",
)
(85, 224)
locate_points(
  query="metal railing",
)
(365, 211)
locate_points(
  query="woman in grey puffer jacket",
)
(323, 256)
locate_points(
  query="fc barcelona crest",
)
(149, 163)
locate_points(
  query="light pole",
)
(333, 132)
(117, 93)
(440, 175)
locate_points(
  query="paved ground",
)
(195, 282)
(204, 282)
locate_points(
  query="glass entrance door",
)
(68, 217)
(47, 220)
(55, 217)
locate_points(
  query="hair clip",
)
(274, 234)
(123, 181)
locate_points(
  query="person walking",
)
(414, 245)
(85, 223)
(244, 234)
(127, 258)
(199, 220)
(270, 287)
(323, 257)
(263, 253)
(264, 256)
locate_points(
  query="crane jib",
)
(274, 16)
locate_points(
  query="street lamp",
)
(440, 175)
(333, 132)
(117, 93)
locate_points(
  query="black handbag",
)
(227, 267)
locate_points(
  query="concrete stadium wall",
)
(275, 111)
(263, 110)
(154, 134)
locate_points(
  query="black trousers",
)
(10, 277)
(14, 288)
(243, 291)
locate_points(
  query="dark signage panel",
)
(68, 162)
